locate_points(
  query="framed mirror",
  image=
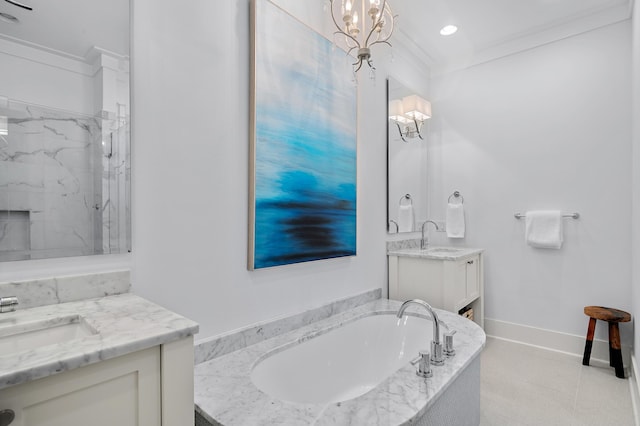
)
(64, 128)
(406, 158)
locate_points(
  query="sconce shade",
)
(416, 107)
(396, 112)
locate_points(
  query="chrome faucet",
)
(8, 304)
(423, 241)
(437, 357)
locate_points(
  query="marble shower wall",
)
(54, 174)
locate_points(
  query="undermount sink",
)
(444, 250)
(17, 336)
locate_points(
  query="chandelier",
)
(364, 23)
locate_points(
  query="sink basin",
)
(17, 336)
(444, 250)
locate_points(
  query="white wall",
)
(635, 186)
(190, 69)
(546, 128)
(34, 76)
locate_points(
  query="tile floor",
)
(523, 385)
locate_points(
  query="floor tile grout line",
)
(574, 416)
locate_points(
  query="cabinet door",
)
(420, 279)
(123, 391)
(472, 278)
(454, 287)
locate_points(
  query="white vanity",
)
(448, 278)
(114, 360)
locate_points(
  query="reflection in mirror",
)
(64, 129)
(407, 158)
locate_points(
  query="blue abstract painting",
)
(303, 144)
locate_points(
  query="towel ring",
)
(456, 194)
(406, 197)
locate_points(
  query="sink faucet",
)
(437, 357)
(423, 241)
(8, 304)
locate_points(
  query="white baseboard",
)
(553, 340)
(634, 385)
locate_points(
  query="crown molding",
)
(545, 34)
(418, 54)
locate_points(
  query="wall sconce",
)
(409, 114)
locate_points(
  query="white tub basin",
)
(22, 336)
(345, 362)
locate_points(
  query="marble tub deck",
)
(224, 393)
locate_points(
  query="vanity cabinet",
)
(143, 388)
(445, 283)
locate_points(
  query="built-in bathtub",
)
(352, 368)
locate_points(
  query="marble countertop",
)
(436, 252)
(225, 394)
(124, 324)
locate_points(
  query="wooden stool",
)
(613, 317)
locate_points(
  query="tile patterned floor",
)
(527, 386)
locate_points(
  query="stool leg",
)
(615, 352)
(589, 343)
(611, 356)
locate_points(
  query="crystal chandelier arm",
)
(378, 41)
(375, 24)
(340, 31)
(388, 35)
(375, 21)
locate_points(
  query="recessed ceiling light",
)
(448, 30)
(8, 18)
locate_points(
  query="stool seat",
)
(607, 314)
(613, 317)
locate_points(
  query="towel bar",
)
(572, 215)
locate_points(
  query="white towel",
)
(405, 218)
(455, 220)
(543, 229)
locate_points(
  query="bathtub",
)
(344, 363)
(352, 368)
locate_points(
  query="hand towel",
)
(543, 229)
(455, 220)
(405, 218)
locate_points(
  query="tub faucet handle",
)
(424, 364)
(448, 343)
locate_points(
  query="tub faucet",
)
(437, 357)
(8, 304)
(423, 241)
